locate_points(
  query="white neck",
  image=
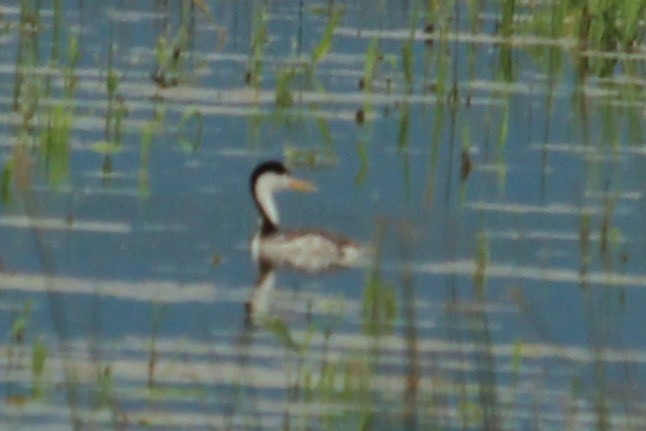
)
(265, 187)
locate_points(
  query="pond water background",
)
(494, 162)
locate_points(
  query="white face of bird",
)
(271, 182)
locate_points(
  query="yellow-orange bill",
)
(301, 185)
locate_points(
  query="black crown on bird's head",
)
(268, 166)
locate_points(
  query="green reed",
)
(51, 132)
(366, 83)
(19, 324)
(258, 43)
(379, 75)
(438, 56)
(113, 116)
(26, 99)
(481, 261)
(348, 377)
(55, 140)
(171, 49)
(169, 59)
(5, 182)
(585, 230)
(312, 158)
(503, 135)
(15, 354)
(191, 129)
(159, 313)
(516, 363)
(597, 26)
(379, 307)
(346, 380)
(407, 65)
(282, 334)
(325, 43)
(507, 17)
(104, 388)
(38, 360)
(56, 136)
(324, 380)
(149, 131)
(370, 65)
(284, 94)
(297, 76)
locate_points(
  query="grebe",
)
(309, 250)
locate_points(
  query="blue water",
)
(542, 162)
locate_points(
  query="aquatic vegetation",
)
(597, 27)
(191, 129)
(56, 136)
(370, 65)
(148, 132)
(169, 64)
(55, 141)
(159, 312)
(114, 110)
(105, 388)
(51, 132)
(501, 143)
(281, 332)
(481, 261)
(379, 307)
(258, 43)
(19, 324)
(38, 360)
(284, 96)
(325, 44)
(310, 157)
(585, 230)
(5, 182)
